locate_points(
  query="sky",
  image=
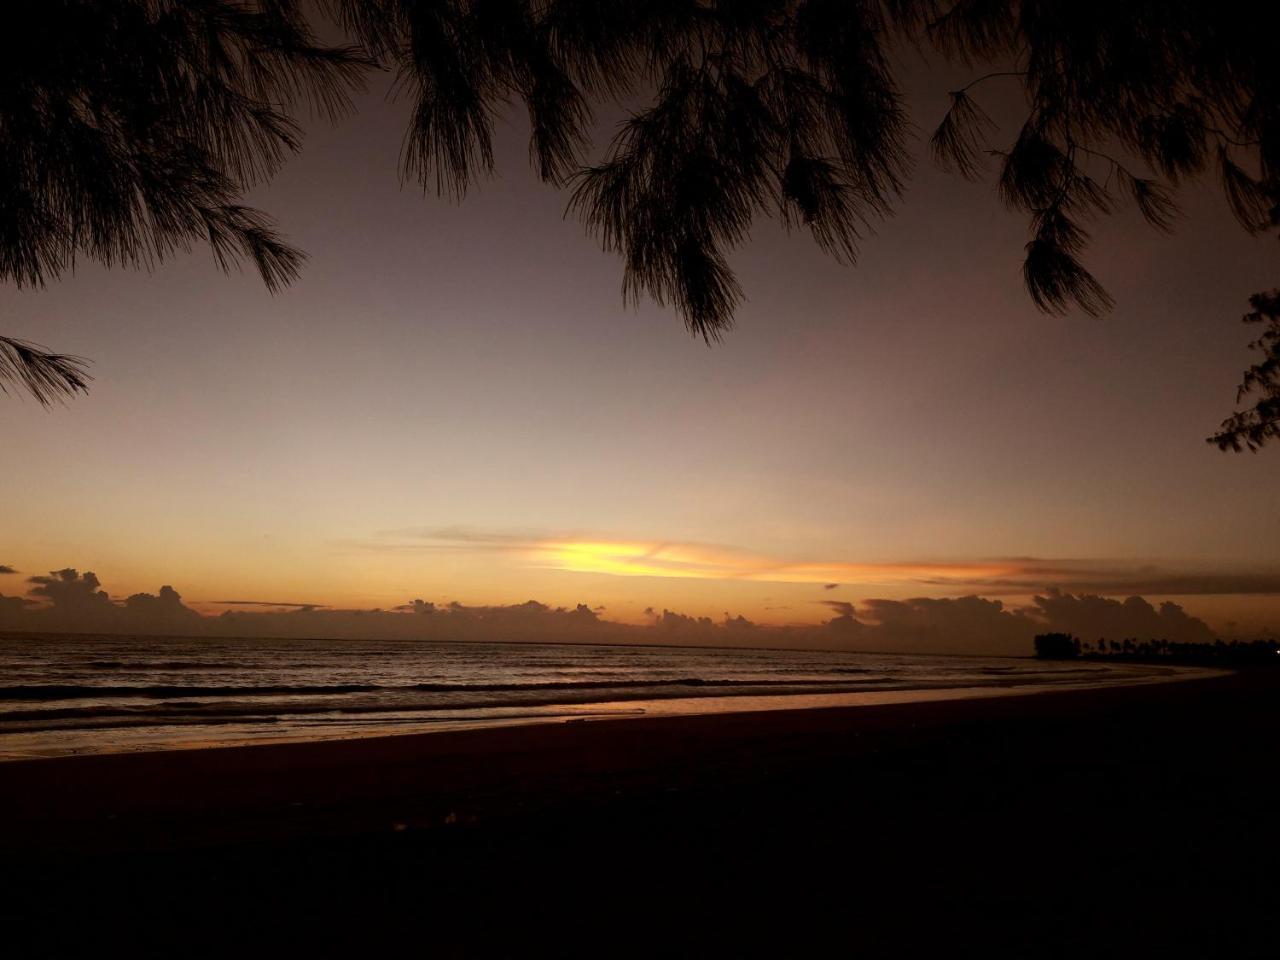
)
(454, 404)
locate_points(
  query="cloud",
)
(943, 625)
(163, 609)
(1004, 576)
(1110, 579)
(5, 568)
(11, 608)
(68, 600)
(979, 624)
(71, 594)
(261, 603)
(843, 608)
(460, 538)
(672, 622)
(420, 607)
(531, 621)
(1094, 617)
(673, 558)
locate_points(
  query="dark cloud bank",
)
(67, 601)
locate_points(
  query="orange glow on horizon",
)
(685, 560)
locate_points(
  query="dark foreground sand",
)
(1126, 822)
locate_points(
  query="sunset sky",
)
(453, 403)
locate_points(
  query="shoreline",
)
(57, 634)
(142, 737)
(98, 799)
(1122, 821)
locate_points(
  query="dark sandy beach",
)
(1129, 822)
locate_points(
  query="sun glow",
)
(685, 560)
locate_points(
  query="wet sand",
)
(1124, 821)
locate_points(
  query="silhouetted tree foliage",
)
(1219, 652)
(1056, 646)
(132, 128)
(741, 109)
(754, 106)
(45, 375)
(789, 107)
(1252, 428)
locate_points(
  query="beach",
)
(553, 478)
(1122, 820)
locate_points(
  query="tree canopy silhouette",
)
(742, 109)
(131, 129)
(1252, 428)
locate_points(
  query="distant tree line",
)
(1066, 646)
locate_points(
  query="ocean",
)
(62, 695)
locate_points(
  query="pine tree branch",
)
(45, 375)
